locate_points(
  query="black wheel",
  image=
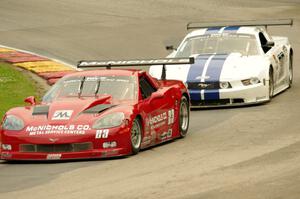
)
(136, 136)
(271, 84)
(291, 71)
(184, 116)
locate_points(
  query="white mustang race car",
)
(236, 63)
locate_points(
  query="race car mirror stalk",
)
(171, 47)
(269, 44)
(31, 100)
(135, 62)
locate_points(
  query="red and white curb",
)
(47, 68)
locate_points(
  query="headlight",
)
(250, 81)
(224, 85)
(109, 121)
(13, 123)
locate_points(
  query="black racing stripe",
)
(98, 108)
(40, 110)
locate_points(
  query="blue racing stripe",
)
(195, 72)
(212, 30)
(231, 29)
(195, 95)
(196, 69)
(213, 72)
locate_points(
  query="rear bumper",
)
(242, 95)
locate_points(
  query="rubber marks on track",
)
(44, 67)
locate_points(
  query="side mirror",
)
(269, 44)
(171, 47)
(30, 100)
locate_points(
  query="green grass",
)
(14, 88)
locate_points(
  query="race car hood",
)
(215, 67)
(237, 67)
(71, 109)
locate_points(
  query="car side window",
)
(263, 42)
(146, 88)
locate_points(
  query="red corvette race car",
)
(98, 113)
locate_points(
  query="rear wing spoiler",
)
(265, 23)
(136, 62)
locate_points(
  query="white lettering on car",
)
(171, 116)
(57, 129)
(102, 133)
(158, 118)
(53, 156)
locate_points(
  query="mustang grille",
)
(203, 85)
(217, 102)
(50, 148)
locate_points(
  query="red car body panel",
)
(44, 138)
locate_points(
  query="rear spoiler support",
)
(136, 62)
(265, 23)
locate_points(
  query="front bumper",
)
(93, 154)
(237, 96)
(88, 146)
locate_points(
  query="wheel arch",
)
(291, 52)
(186, 95)
(271, 68)
(140, 118)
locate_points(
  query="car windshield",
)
(119, 87)
(219, 43)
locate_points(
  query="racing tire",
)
(136, 136)
(184, 116)
(271, 84)
(291, 71)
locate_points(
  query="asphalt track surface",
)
(250, 152)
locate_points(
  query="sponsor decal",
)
(147, 126)
(53, 156)
(53, 140)
(5, 155)
(284, 48)
(171, 116)
(166, 135)
(102, 133)
(62, 115)
(109, 153)
(146, 140)
(137, 62)
(57, 129)
(158, 118)
(161, 119)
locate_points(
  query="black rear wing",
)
(136, 62)
(265, 23)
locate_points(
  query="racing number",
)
(102, 133)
